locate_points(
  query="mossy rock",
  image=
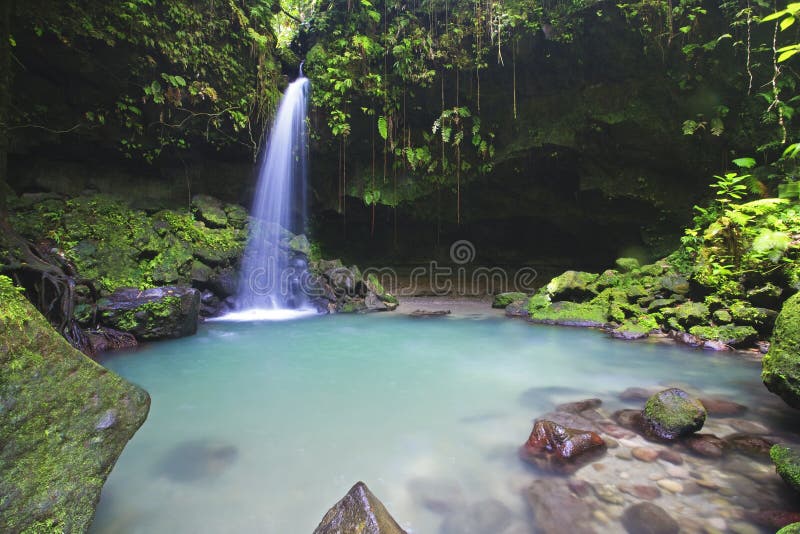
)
(733, 335)
(673, 413)
(210, 211)
(794, 528)
(627, 265)
(762, 319)
(722, 317)
(781, 365)
(675, 283)
(660, 304)
(64, 423)
(501, 300)
(201, 273)
(300, 245)
(567, 313)
(359, 512)
(787, 464)
(608, 278)
(572, 286)
(691, 313)
(159, 313)
(237, 216)
(636, 328)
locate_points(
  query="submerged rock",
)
(558, 509)
(559, 449)
(359, 512)
(672, 413)
(195, 460)
(479, 518)
(647, 518)
(781, 365)
(159, 313)
(64, 421)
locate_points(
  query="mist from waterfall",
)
(270, 276)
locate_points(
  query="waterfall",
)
(270, 277)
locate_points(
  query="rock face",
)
(159, 313)
(359, 512)
(560, 449)
(672, 413)
(781, 365)
(64, 421)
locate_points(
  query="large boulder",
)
(787, 464)
(672, 413)
(571, 285)
(781, 365)
(359, 512)
(64, 421)
(158, 313)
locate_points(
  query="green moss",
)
(627, 264)
(729, 334)
(571, 285)
(691, 313)
(148, 315)
(69, 422)
(787, 464)
(781, 365)
(794, 528)
(569, 313)
(501, 300)
(672, 413)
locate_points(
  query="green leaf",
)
(382, 127)
(745, 163)
(785, 23)
(786, 55)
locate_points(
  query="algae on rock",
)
(64, 422)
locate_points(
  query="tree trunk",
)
(5, 99)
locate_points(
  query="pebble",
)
(608, 493)
(670, 456)
(641, 491)
(718, 523)
(677, 471)
(645, 455)
(670, 485)
(611, 443)
(624, 476)
(599, 467)
(601, 516)
(655, 476)
(628, 443)
(624, 454)
(708, 484)
(728, 492)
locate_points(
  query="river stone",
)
(158, 313)
(647, 518)
(781, 365)
(64, 421)
(722, 407)
(556, 448)
(672, 413)
(707, 445)
(358, 512)
(555, 506)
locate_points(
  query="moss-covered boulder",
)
(691, 313)
(159, 313)
(64, 421)
(673, 413)
(781, 365)
(729, 334)
(571, 285)
(787, 464)
(210, 211)
(627, 265)
(567, 314)
(501, 300)
(359, 512)
(794, 528)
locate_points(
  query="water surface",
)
(261, 427)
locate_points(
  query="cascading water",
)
(271, 276)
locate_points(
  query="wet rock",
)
(64, 421)
(615, 431)
(195, 460)
(707, 445)
(481, 517)
(501, 300)
(781, 365)
(201, 273)
(672, 413)
(159, 313)
(517, 309)
(722, 407)
(429, 313)
(787, 464)
(554, 505)
(107, 339)
(559, 449)
(579, 487)
(224, 283)
(608, 494)
(647, 518)
(640, 491)
(674, 283)
(300, 244)
(237, 215)
(359, 512)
